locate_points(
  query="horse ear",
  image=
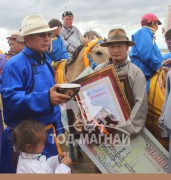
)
(104, 39)
(84, 40)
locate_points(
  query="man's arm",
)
(16, 83)
(64, 53)
(138, 115)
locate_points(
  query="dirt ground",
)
(82, 165)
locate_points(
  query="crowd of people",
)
(30, 102)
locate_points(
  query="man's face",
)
(15, 46)
(168, 42)
(155, 25)
(39, 42)
(11, 44)
(118, 52)
(67, 21)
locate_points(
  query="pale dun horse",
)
(90, 54)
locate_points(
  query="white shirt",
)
(38, 164)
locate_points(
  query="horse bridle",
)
(92, 63)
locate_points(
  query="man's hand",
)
(57, 98)
(165, 68)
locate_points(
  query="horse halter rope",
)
(88, 61)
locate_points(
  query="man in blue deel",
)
(29, 89)
(145, 53)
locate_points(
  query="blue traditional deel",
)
(57, 50)
(27, 78)
(145, 53)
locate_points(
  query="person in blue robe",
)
(145, 53)
(57, 49)
(3, 60)
(29, 90)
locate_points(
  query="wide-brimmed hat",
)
(117, 35)
(17, 36)
(34, 24)
(150, 17)
(168, 34)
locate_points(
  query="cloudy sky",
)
(97, 15)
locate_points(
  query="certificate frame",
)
(114, 82)
(127, 89)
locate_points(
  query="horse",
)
(91, 55)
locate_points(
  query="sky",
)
(98, 15)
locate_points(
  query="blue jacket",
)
(57, 50)
(145, 53)
(166, 56)
(26, 81)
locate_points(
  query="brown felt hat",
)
(117, 35)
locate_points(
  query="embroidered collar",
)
(69, 29)
(120, 65)
(34, 55)
(30, 156)
(153, 30)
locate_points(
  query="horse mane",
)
(75, 54)
(91, 33)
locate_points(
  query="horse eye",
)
(99, 53)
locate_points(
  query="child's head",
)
(55, 23)
(29, 137)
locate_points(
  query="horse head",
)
(95, 54)
(89, 36)
(91, 55)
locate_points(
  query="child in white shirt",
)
(29, 139)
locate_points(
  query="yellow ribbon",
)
(55, 138)
(59, 68)
(53, 38)
(87, 51)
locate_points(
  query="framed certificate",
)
(101, 94)
(127, 89)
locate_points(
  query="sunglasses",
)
(67, 13)
(44, 34)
